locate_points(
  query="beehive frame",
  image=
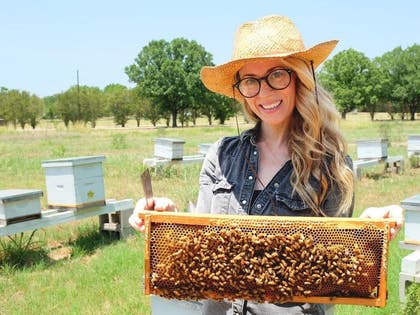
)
(354, 273)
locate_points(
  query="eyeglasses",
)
(278, 79)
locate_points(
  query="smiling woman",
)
(293, 162)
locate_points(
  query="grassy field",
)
(73, 269)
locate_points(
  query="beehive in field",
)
(76, 182)
(412, 219)
(272, 259)
(167, 148)
(372, 149)
(18, 205)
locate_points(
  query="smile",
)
(272, 105)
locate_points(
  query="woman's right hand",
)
(156, 204)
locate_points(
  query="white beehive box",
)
(203, 148)
(172, 149)
(413, 144)
(372, 149)
(19, 205)
(412, 219)
(75, 182)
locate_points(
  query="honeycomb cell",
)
(267, 260)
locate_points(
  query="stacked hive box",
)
(18, 205)
(75, 182)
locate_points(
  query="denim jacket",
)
(228, 177)
(227, 181)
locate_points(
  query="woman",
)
(294, 161)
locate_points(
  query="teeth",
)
(271, 106)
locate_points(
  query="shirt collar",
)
(251, 134)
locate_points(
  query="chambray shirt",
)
(227, 181)
(228, 177)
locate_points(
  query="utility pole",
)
(78, 97)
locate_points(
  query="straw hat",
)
(271, 37)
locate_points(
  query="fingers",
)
(136, 222)
(394, 212)
(155, 203)
(164, 204)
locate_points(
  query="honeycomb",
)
(266, 259)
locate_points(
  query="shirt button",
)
(276, 185)
(250, 177)
(259, 206)
(244, 202)
(255, 152)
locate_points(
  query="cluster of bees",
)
(232, 263)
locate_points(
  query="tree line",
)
(168, 87)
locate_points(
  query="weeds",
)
(119, 142)
(19, 251)
(412, 305)
(89, 239)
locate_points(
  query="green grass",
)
(73, 269)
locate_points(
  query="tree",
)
(411, 79)
(346, 77)
(91, 104)
(67, 105)
(406, 79)
(20, 107)
(118, 100)
(142, 107)
(35, 110)
(3, 104)
(80, 103)
(218, 106)
(169, 73)
(50, 103)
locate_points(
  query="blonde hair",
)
(315, 142)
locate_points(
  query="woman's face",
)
(274, 107)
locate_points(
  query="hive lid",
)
(171, 140)
(412, 201)
(73, 161)
(372, 141)
(10, 195)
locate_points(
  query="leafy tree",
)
(401, 80)
(346, 75)
(169, 73)
(3, 104)
(407, 85)
(142, 107)
(50, 103)
(118, 101)
(219, 107)
(22, 102)
(391, 74)
(68, 105)
(35, 110)
(91, 104)
(20, 107)
(80, 103)
(225, 108)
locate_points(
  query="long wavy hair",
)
(315, 142)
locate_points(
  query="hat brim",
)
(220, 79)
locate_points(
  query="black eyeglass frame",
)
(265, 78)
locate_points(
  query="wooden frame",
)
(151, 217)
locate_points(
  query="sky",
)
(44, 43)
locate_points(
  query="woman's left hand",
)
(389, 212)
